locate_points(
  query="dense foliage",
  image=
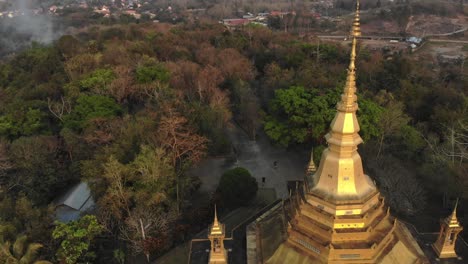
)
(75, 239)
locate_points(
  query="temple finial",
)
(348, 98)
(311, 168)
(453, 216)
(352, 66)
(216, 229)
(356, 29)
(215, 222)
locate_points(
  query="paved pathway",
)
(258, 157)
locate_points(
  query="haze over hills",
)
(27, 21)
(28, 24)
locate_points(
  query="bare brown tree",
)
(182, 143)
(143, 225)
(59, 109)
(400, 187)
(123, 86)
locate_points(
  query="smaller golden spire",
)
(452, 219)
(356, 29)
(311, 168)
(216, 229)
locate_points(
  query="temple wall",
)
(266, 234)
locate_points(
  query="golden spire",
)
(311, 168)
(452, 219)
(349, 98)
(340, 175)
(216, 229)
(356, 29)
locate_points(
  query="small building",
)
(132, 13)
(248, 16)
(105, 11)
(53, 9)
(281, 14)
(235, 22)
(414, 40)
(76, 201)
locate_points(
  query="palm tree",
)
(20, 252)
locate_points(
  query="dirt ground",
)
(423, 25)
(384, 44)
(418, 25)
(381, 27)
(434, 49)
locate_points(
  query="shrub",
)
(237, 187)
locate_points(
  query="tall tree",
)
(391, 121)
(183, 145)
(298, 115)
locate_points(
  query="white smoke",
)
(26, 22)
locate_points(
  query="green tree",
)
(369, 115)
(90, 107)
(98, 79)
(298, 115)
(75, 239)
(237, 187)
(147, 74)
(22, 121)
(155, 176)
(20, 252)
(142, 192)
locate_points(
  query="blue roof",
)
(75, 201)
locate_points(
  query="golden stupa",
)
(341, 216)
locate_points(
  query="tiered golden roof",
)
(216, 228)
(452, 220)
